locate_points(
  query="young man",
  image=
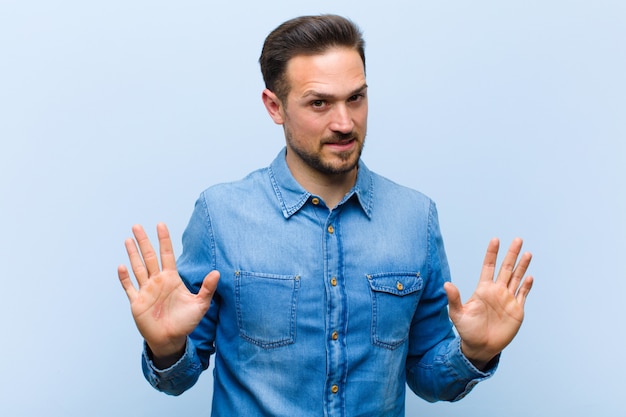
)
(334, 288)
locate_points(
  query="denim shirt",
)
(319, 311)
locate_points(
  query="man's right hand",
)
(165, 311)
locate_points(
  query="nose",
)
(341, 120)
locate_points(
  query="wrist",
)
(480, 358)
(164, 356)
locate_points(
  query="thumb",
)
(208, 286)
(454, 300)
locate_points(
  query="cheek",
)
(361, 117)
(310, 127)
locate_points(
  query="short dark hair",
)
(305, 35)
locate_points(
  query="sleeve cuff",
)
(467, 371)
(157, 377)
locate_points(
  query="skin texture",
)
(324, 118)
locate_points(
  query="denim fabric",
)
(319, 311)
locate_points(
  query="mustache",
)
(341, 137)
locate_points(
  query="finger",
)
(209, 285)
(136, 263)
(520, 271)
(508, 264)
(455, 306)
(168, 260)
(489, 264)
(524, 290)
(126, 282)
(147, 252)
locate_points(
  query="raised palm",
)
(165, 311)
(492, 316)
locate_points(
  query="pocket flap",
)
(398, 283)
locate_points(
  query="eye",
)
(356, 97)
(318, 104)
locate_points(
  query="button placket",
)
(335, 318)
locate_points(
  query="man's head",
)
(316, 89)
(306, 35)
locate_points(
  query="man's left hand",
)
(491, 318)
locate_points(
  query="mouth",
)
(341, 145)
(341, 139)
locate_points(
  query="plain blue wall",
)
(511, 115)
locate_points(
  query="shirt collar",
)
(292, 196)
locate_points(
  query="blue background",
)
(510, 114)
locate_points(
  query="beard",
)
(348, 160)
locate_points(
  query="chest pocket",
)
(266, 308)
(394, 299)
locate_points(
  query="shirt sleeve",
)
(436, 368)
(446, 374)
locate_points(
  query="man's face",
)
(325, 113)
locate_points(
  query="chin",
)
(342, 167)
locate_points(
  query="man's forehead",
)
(325, 73)
(327, 57)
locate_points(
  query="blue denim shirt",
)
(319, 311)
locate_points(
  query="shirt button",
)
(315, 200)
(334, 389)
(333, 281)
(335, 335)
(399, 286)
(331, 229)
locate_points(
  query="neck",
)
(332, 192)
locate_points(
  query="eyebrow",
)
(327, 96)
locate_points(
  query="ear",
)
(274, 106)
